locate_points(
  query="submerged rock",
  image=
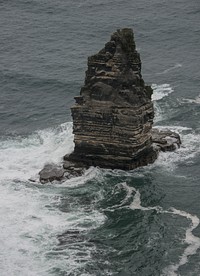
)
(165, 140)
(51, 172)
(113, 116)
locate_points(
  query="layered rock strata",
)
(162, 140)
(113, 116)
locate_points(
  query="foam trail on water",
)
(128, 196)
(190, 239)
(177, 65)
(195, 101)
(91, 173)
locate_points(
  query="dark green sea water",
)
(143, 222)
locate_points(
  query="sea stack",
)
(113, 116)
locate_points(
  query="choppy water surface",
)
(143, 222)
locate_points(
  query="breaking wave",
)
(22, 157)
(38, 236)
(161, 91)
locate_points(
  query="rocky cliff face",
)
(113, 116)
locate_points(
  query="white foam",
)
(22, 158)
(28, 230)
(91, 173)
(191, 240)
(195, 101)
(30, 217)
(161, 91)
(136, 202)
(29, 226)
(159, 113)
(128, 196)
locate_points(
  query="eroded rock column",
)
(113, 116)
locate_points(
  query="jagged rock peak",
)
(116, 66)
(121, 44)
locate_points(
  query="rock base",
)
(162, 140)
(114, 161)
(73, 166)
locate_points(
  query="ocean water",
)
(143, 222)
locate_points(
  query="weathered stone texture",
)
(113, 116)
(54, 172)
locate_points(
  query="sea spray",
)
(32, 216)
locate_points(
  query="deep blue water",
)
(144, 222)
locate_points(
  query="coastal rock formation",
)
(113, 116)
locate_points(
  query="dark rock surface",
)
(113, 116)
(52, 172)
(73, 169)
